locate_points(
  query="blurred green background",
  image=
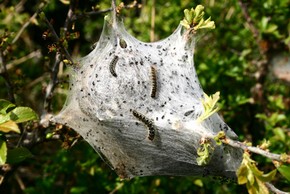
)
(237, 59)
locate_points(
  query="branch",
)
(90, 13)
(40, 7)
(56, 39)
(19, 61)
(274, 189)
(97, 12)
(45, 116)
(152, 30)
(6, 77)
(272, 156)
(55, 69)
(262, 64)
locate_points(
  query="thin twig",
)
(237, 144)
(56, 39)
(19, 61)
(262, 64)
(6, 77)
(40, 7)
(55, 69)
(274, 189)
(152, 29)
(90, 13)
(52, 84)
(97, 12)
(118, 187)
(20, 182)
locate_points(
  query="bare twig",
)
(4, 169)
(274, 189)
(20, 182)
(237, 144)
(6, 77)
(55, 69)
(56, 39)
(119, 186)
(262, 64)
(97, 12)
(16, 62)
(40, 7)
(152, 30)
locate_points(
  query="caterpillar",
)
(147, 122)
(113, 66)
(153, 82)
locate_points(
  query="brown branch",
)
(20, 181)
(56, 39)
(55, 69)
(90, 13)
(152, 29)
(19, 61)
(262, 64)
(40, 7)
(97, 12)
(5, 75)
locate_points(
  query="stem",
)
(53, 82)
(28, 22)
(256, 150)
(152, 38)
(91, 13)
(56, 39)
(6, 77)
(262, 64)
(274, 189)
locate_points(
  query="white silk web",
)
(137, 103)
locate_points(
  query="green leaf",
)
(18, 155)
(4, 106)
(279, 134)
(209, 104)
(193, 19)
(4, 118)
(204, 153)
(268, 177)
(242, 174)
(22, 114)
(285, 171)
(3, 152)
(249, 174)
(188, 15)
(9, 126)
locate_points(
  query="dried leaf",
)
(9, 126)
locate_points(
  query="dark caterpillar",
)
(153, 82)
(113, 66)
(147, 122)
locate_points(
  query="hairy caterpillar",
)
(153, 82)
(113, 66)
(147, 122)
